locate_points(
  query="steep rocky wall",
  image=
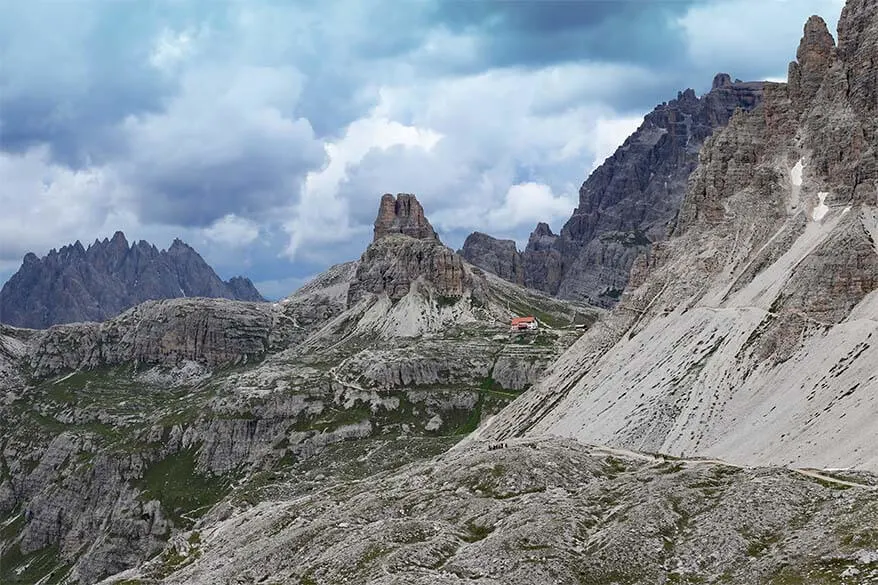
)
(212, 332)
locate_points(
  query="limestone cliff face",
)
(543, 264)
(402, 215)
(392, 264)
(748, 333)
(207, 331)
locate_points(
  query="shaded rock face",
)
(76, 284)
(500, 257)
(405, 250)
(542, 260)
(402, 215)
(814, 57)
(391, 265)
(632, 199)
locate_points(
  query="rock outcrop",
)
(402, 215)
(632, 199)
(406, 250)
(534, 513)
(213, 332)
(500, 257)
(76, 284)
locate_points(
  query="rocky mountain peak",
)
(632, 199)
(74, 284)
(721, 80)
(406, 250)
(118, 241)
(814, 57)
(541, 230)
(500, 257)
(402, 215)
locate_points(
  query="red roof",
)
(520, 320)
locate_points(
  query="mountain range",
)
(96, 283)
(384, 424)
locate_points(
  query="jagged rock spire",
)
(814, 57)
(402, 215)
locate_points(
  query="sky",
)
(263, 133)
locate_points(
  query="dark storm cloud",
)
(70, 71)
(553, 31)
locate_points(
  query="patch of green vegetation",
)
(43, 566)
(669, 467)
(476, 532)
(685, 579)
(174, 561)
(333, 418)
(826, 571)
(759, 544)
(615, 466)
(183, 492)
(470, 423)
(446, 301)
(10, 531)
(613, 293)
(370, 555)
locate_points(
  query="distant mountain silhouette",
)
(78, 284)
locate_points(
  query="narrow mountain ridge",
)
(76, 284)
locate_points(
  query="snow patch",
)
(796, 173)
(821, 209)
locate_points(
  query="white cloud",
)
(228, 142)
(232, 231)
(321, 217)
(764, 36)
(529, 203)
(171, 48)
(516, 142)
(46, 205)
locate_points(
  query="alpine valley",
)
(699, 402)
